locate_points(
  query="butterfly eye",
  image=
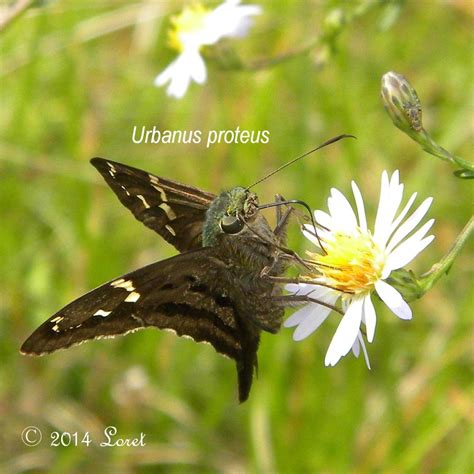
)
(231, 225)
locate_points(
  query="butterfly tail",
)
(246, 365)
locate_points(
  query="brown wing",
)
(182, 293)
(175, 211)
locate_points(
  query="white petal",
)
(229, 20)
(360, 207)
(393, 299)
(299, 316)
(395, 178)
(409, 249)
(402, 214)
(178, 76)
(188, 65)
(323, 218)
(197, 68)
(388, 206)
(241, 27)
(166, 75)
(409, 253)
(409, 224)
(322, 234)
(341, 212)
(311, 323)
(391, 195)
(312, 310)
(356, 347)
(370, 318)
(382, 201)
(178, 86)
(346, 333)
(294, 287)
(364, 350)
(316, 291)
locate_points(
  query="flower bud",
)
(401, 102)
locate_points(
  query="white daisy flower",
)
(355, 262)
(195, 27)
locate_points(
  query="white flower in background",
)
(356, 263)
(195, 27)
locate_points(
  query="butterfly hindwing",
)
(173, 210)
(182, 293)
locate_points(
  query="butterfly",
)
(219, 289)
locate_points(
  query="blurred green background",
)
(75, 78)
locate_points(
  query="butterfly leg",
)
(278, 198)
(282, 219)
(296, 281)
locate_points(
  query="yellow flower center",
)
(352, 263)
(190, 20)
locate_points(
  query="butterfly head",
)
(228, 214)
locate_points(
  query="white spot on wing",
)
(57, 319)
(125, 284)
(169, 212)
(132, 297)
(55, 328)
(143, 200)
(162, 192)
(170, 230)
(102, 313)
(112, 170)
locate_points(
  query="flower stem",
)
(427, 281)
(430, 146)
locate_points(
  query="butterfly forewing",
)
(181, 293)
(173, 210)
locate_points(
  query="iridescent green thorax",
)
(236, 202)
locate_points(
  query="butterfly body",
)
(214, 291)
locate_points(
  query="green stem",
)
(430, 146)
(427, 281)
(265, 63)
(229, 60)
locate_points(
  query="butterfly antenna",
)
(326, 143)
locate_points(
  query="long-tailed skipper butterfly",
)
(222, 288)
